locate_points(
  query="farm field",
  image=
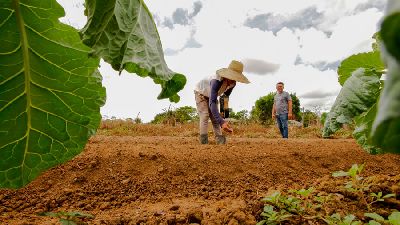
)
(159, 174)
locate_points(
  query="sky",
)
(298, 42)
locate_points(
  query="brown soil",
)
(175, 180)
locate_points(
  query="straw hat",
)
(234, 72)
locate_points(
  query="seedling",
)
(288, 203)
(69, 218)
(393, 219)
(336, 219)
(272, 217)
(379, 198)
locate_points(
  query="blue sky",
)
(298, 42)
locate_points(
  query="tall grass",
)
(118, 127)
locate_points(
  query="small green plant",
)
(393, 219)
(378, 197)
(303, 192)
(356, 183)
(360, 186)
(287, 203)
(272, 217)
(69, 218)
(336, 219)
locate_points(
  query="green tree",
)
(263, 108)
(309, 118)
(323, 117)
(181, 115)
(296, 107)
(186, 114)
(242, 115)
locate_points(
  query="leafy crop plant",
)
(50, 88)
(365, 99)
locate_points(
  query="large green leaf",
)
(123, 33)
(386, 128)
(50, 91)
(357, 95)
(363, 128)
(369, 61)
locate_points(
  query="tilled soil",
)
(175, 180)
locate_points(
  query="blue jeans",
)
(282, 120)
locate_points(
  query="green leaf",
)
(123, 33)
(78, 214)
(374, 216)
(262, 222)
(67, 222)
(340, 174)
(363, 128)
(394, 218)
(373, 222)
(389, 196)
(378, 40)
(391, 35)
(50, 91)
(348, 219)
(386, 128)
(358, 94)
(369, 61)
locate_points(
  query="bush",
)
(263, 108)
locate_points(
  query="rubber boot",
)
(220, 139)
(203, 139)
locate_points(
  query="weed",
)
(272, 217)
(393, 219)
(336, 219)
(69, 218)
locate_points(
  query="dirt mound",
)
(174, 180)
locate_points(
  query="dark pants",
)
(282, 120)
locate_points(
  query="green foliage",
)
(385, 130)
(272, 217)
(358, 94)
(393, 218)
(324, 115)
(370, 61)
(51, 91)
(242, 115)
(296, 107)
(186, 114)
(263, 108)
(363, 128)
(336, 219)
(180, 115)
(377, 127)
(69, 218)
(309, 117)
(315, 204)
(129, 40)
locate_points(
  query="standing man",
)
(282, 109)
(206, 93)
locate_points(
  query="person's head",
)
(234, 72)
(279, 87)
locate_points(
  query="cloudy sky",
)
(298, 42)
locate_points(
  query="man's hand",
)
(290, 116)
(225, 126)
